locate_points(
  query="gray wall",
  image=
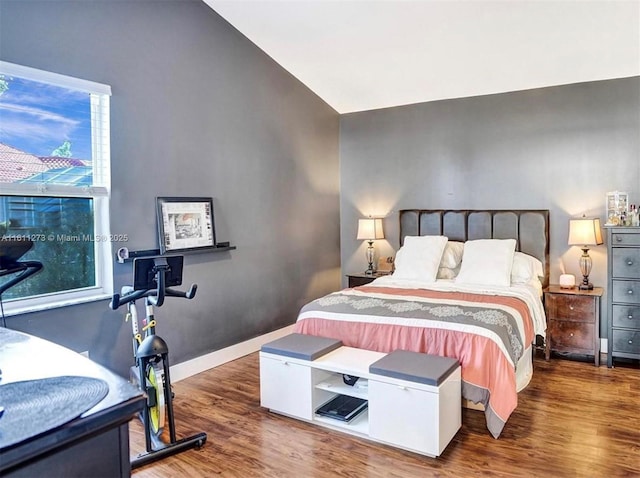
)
(197, 110)
(559, 148)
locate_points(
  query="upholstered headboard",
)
(529, 227)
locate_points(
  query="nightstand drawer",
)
(570, 307)
(626, 263)
(626, 291)
(568, 336)
(356, 280)
(626, 341)
(620, 239)
(626, 317)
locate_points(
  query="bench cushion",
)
(415, 367)
(301, 346)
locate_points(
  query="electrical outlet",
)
(85, 353)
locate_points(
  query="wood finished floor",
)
(573, 420)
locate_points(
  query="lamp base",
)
(585, 284)
(585, 268)
(371, 254)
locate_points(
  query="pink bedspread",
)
(486, 333)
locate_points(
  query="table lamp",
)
(585, 232)
(368, 230)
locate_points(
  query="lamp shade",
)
(369, 229)
(585, 232)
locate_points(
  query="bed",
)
(467, 284)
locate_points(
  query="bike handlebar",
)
(152, 295)
(154, 290)
(117, 300)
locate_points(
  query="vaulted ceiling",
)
(367, 54)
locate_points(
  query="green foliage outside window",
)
(63, 238)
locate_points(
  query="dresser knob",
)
(571, 307)
(618, 238)
(630, 317)
(629, 263)
(630, 341)
(571, 334)
(630, 291)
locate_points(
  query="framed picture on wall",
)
(185, 224)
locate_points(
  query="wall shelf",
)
(156, 252)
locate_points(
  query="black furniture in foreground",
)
(94, 444)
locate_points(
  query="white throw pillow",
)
(419, 258)
(452, 256)
(487, 262)
(525, 269)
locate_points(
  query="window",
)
(54, 185)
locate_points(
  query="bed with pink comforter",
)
(487, 330)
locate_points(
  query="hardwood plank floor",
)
(573, 420)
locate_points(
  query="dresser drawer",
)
(626, 263)
(626, 316)
(570, 307)
(571, 336)
(622, 239)
(626, 341)
(626, 291)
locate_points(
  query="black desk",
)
(94, 445)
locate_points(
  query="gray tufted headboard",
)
(529, 227)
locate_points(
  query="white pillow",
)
(419, 258)
(452, 256)
(525, 268)
(487, 262)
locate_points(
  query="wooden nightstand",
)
(573, 321)
(356, 280)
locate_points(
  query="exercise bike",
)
(153, 279)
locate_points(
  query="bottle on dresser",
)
(634, 216)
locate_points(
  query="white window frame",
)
(100, 192)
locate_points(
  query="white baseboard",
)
(205, 362)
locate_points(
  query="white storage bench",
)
(413, 399)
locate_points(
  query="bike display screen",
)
(145, 270)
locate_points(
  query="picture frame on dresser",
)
(623, 294)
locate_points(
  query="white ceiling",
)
(367, 54)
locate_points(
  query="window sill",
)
(11, 310)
